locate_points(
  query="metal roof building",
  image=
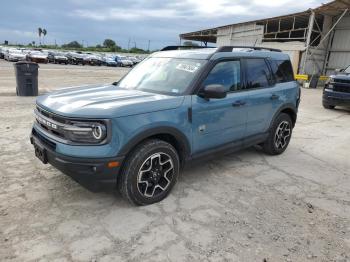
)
(317, 40)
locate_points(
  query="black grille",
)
(343, 89)
(343, 81)
(58, 121)
(52, 116)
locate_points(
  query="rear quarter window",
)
(282, 70)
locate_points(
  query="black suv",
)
(337, 89)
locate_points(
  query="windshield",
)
(164, 75)
(347, 70)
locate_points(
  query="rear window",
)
(257, 73)
(282, 70)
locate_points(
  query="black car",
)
(337, 89)
(75, 58)
(57, 58)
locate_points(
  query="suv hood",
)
(108, 101)
(341, 76)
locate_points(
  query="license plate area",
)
(40, 151)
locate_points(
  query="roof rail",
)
(230, 48)
(182, 47)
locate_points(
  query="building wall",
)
(333, 53)
(247, 34)
(339, 53)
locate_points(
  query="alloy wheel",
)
(155, 175)
(282, 135)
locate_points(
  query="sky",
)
(132, 22)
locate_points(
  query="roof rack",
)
(230, 48)
(182, 47)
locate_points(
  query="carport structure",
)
(317, 40)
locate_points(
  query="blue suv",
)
(173, 107)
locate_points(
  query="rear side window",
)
(257, 73)
(282, 70)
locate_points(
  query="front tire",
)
(327, 106)
(279, 135)
(149, 173)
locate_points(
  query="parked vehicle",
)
(123, 61)
(109, 61)
(337, 89)
(173, 107)
(75, 58)
(92, 59)
(134, 60)
(14, 55)
(37, 57)
(57, 58)
(2, 52)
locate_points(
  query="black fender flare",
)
(288, 106)
(161, 130)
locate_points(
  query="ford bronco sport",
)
(337, 90)
(173, 107)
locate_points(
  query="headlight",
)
(86, 132)
(329, 86)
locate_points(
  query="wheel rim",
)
(282, 135)
(155, 175)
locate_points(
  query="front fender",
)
(159, 130)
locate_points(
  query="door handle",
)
(274, 97)
(238, 103)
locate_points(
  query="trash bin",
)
(314, 81)
(26, 78)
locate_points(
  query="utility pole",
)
(149, 44)
(129, 44)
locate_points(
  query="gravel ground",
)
(240, 207)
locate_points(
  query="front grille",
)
(343, 81)
(52, 116)
(343, 88)
(51, 123)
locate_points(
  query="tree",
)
(73, 44)
(109, 43)
(137, 50)
(40, 31)
(44, 32)
(190, 43)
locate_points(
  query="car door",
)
(259, 86)
(216, 122)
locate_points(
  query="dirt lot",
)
(240, 207)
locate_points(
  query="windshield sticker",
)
(187, 67)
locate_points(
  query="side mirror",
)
(213, 91)
(115, 83)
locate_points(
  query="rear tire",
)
(279, 135)
(149, 173)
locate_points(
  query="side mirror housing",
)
(213, 91)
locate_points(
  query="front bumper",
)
(86, 169)
(336, 98)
